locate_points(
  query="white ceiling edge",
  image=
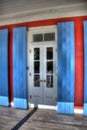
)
(48, 13)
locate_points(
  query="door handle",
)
(41, 80)
(44, 80)
(27, 67)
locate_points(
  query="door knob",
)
(44, 80)
(41, 80)
(27, 68)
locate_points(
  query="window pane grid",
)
(50, 36)
(36, 80)
(49, 82)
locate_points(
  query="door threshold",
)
(43, 106)
(78, 111)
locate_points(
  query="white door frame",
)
(30, 56)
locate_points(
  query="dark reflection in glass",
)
(50, 81)
(49, 53)
(36, 67)
(36, 80)
(49, 36)
(37, 37)
(36, 53)
(49, 67)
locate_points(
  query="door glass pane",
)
(36, 67)
(36, 53)
(37, 37)
(49, 53)
(49, 36)
(49, 81)
(36, 80)
(49, 67)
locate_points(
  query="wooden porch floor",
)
(39, 119)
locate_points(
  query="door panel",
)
(50, 86)
(36, 81)
(43, 78)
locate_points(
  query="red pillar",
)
(79, 63)
(10, 65)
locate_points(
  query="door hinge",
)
(27, 68)
(30, 96)
(30, 51)
(27, 29)
(29, 74)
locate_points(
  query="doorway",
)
(42, 72)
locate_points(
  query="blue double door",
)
(19, 67)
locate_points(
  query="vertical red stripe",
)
(79, 63)
(10, 66)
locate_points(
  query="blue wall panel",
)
(19, 67)
(85, 68)
(4, 92)
(65, 104)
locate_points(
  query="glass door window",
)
(36, 67)
(49, 67)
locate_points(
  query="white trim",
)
(44, 29)
(46, 13)
(78, 111)
(12, 104)
(44, 107)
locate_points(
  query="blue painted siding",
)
(65, 104)
(4, 92)
(85, 68)
(19, 67)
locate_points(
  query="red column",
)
(10, 65)
(79, 63)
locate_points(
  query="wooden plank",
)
(40, 120)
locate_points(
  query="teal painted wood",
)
(4, 92)
(19, 67)
(85, 68)
(65, 104)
